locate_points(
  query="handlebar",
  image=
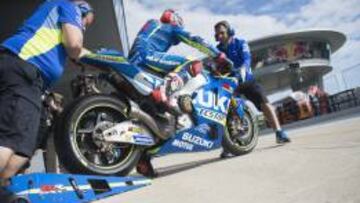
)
(223, 69)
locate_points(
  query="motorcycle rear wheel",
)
(77, 146)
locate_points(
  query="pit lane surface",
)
(322, 164)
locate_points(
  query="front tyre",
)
(241, 134)
(78, 147)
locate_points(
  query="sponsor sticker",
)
(213, 115)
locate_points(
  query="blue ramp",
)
(69, 188)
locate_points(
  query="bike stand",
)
(68, 188)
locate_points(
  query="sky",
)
(255, 19)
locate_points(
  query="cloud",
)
(200, 21)
(258, 19)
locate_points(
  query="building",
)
(294, 60)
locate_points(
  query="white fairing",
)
(192, 85)
(184, 122)
(128, 132)
(145, 83)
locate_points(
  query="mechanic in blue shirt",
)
(237, 50)
(153, 41)
(31, 60)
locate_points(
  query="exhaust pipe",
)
(136, 112)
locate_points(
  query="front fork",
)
(237, 106)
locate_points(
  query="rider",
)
(149, 51)
(155, 39)
(237, 50)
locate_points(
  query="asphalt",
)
(322, 164)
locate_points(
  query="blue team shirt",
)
(39, 40)
(238, 52)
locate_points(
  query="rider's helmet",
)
(84, 7)
(170, 16)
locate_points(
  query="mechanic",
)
(30, 61)
(237, 50)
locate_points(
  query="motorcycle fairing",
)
(194, 139)
(128, 132)
(143, 81)
(211, 103)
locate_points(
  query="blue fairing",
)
(143, 81)
(211, 105)
(191, 140)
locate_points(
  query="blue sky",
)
(254, 19)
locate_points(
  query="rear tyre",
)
(78, 147)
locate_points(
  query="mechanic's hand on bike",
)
(224, 64)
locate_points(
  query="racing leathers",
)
(149, 51)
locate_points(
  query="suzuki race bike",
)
(108, 133)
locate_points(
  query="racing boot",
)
(225, 154)
(145, 168)
(281, 137)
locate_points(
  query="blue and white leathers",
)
(156, 38)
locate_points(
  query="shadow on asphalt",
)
(269, 147)
(170, 170)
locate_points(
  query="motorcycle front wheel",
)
(77, 142)
(241, 134)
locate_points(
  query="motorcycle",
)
(107, 134)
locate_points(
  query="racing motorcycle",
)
(108, 133)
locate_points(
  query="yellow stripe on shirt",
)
(43, 41)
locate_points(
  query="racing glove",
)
(224, 65)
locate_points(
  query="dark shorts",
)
(253, 92)
(20, 104)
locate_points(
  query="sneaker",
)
(225, 154)
(145, 168)
(281, 137)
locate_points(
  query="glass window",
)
(291, 51)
